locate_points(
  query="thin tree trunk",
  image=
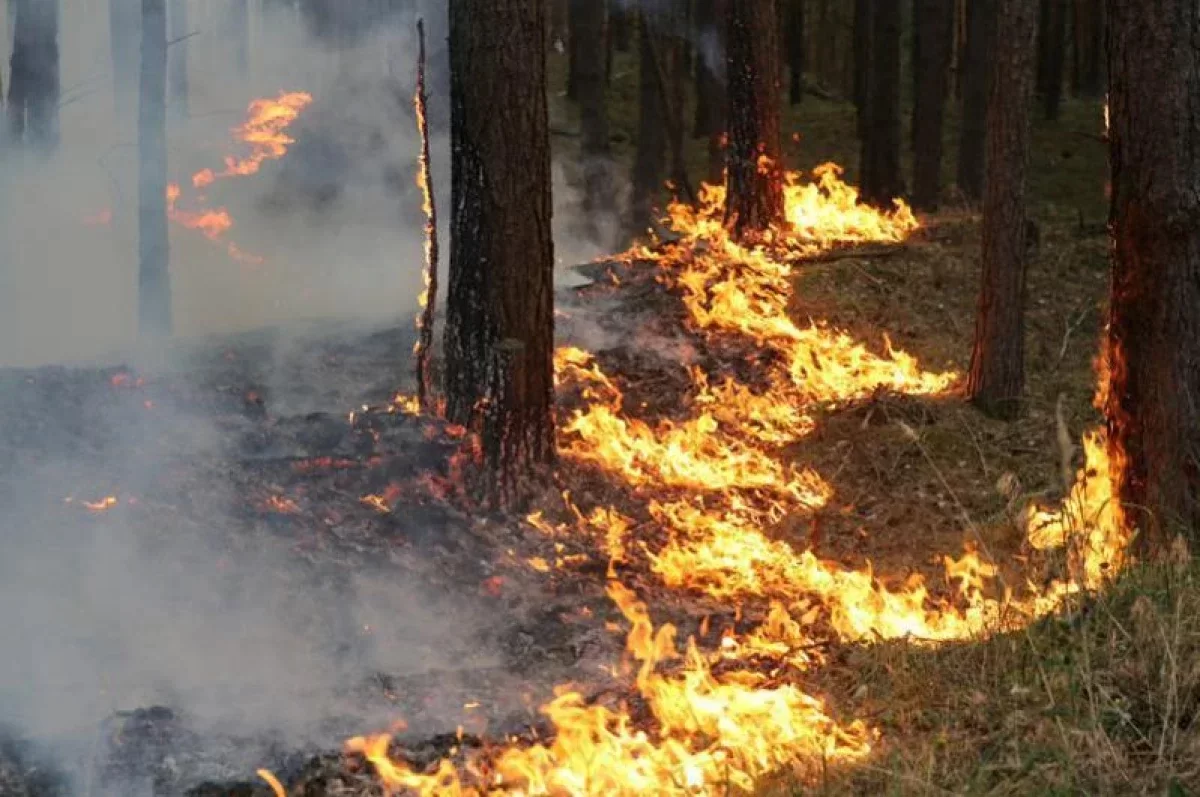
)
(154, 285)
(34, 89)
(1153, 342)
(650, 159)
(933, 26)
(863, 28)
(711, 101)
(177, 59)
(997, 374)
(500, 308)
(754, 191)
(599, 200)
(574, 9)
(880, 171)
(1051, 56)
(1092, 77)
(620, 22)
(981, 17)
(797, 50)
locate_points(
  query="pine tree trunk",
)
(34, 89)
(650, 158)
(499, 338)
(619, 24)
(997, 374)
(863, 29)
(125, 24)
(977, 59)
(154, 285)
(1052, 31)
(880, 165)
(1092, 77)
(574, 9)
(797, 50)
(711, 101)
(177, 59)
(1154, 327)
(933, 28)
(599, 201)
(754, 195)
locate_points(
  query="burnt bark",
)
(124, 29)
(177, 59)
(1052, 54)
(499, 337)
(880, 177)
(33, 86)
(711, 101)
(754, 184)
(933, 41)
(863, 29)
(976, 66)
(1153, 342)
(997, 374)
(599, 197)
(154, 285)
(796, 49)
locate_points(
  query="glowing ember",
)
(103, 505)
(281, 504)
(272, 781)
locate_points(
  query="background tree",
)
(997, 374)
(795, 48)
(499, 338)
(1087, 72)
(154, 285)
(933, 38)
(976, 62)
(711, 99)
(1153, 342)
(1052, 55)
(124, 31)
(861, 47)
(754, 195)
(33, 86)
(588, 43)
(879, 177)
(177, 59)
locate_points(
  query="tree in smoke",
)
(124, 31)
(880, 178)
(154, 285)
(588, 31)
(177, 55)
(1153, 338)
(976, 61)
(997, 374)
(33, 85)
(933, 36)
(711, 102)
(754, 182)
(499, 337)
(1052, 30)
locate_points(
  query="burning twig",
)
(425, 181)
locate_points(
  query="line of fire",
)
(599, 397)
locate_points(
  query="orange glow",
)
(272, 781)
(103, 505)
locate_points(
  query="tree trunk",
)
(863, 28)
(933, 37)
(981, 17)
(177, 59)
(754, 191)
(1091, 43)
(124, 29)
(1153, 343)
(599, 200)
(619, 19)
(711, 100)
(797, 50)
(650, 159)
(997, 373)
(33, 88)
(880, 177)
(1052, 30)
(154, 285)
(499, 338)
(574, 9)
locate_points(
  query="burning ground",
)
(761, 496)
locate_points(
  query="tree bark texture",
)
(499, 338)
(976, 63)
(154, 285)
(33, 86)
(1052, 54)
(880, 178)
(711, 99)
(933, 41)
(177, 59)
(754, 185)
(797, 49)
(997, 374)
(124, 30)
(599, 198)
(1153, 400)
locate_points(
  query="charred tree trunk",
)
(499, 338)
(154, 285)
(124, 23)
(997, 374)
(981, 16)
(797, 50)
(711, 100)
(599, 199)
(1153, 344)
(754, 190)
(880, 165)
(177, 59)
(933, 40)
(1052, 31)
(650, 159)
(33, 87)
(863, 28)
